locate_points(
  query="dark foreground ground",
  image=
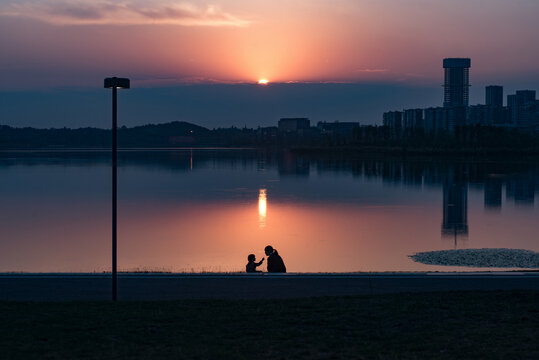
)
(438, 325)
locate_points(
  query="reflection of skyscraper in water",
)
(493, 192)
(455, 216)
(521, 189)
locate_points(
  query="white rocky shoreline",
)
(495, 258)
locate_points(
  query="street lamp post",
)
(114, 83)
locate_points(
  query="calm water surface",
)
(206, 210)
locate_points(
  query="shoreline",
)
(359, 150)
(262, 274)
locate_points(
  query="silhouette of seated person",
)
(275, 262)
(252, 265)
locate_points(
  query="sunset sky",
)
(199, 61)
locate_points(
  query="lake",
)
(205, 210)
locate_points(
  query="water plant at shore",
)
(497, 258)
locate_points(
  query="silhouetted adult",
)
(275, 261)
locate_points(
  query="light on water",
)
(326, 215)
(262, 207)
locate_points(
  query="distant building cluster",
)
(296, 125)
(303, 126)
(521, 112)
(301, 129)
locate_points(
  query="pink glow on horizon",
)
(217, 237)
(243, 41)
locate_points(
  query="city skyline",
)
(521, 112)
(325, 60)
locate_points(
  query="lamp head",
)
(115, 82)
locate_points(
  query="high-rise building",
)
(456, 81)
(431, 122)
(512, 105)
(412, 118)
(393, 120)
(526, 96)
(494, 95)
(521, 106)
(479, 115)
(455, 117)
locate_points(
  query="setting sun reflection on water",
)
(326, 215)
(262, 207)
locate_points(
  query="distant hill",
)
(36, 138)
(177, 133)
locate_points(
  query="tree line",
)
(183, 134)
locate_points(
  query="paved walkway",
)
(250, 286)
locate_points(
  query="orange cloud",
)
(107, 12)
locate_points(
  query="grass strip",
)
(449, 325)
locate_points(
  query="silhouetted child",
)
(251, 265)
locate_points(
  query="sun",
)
(263, 82)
